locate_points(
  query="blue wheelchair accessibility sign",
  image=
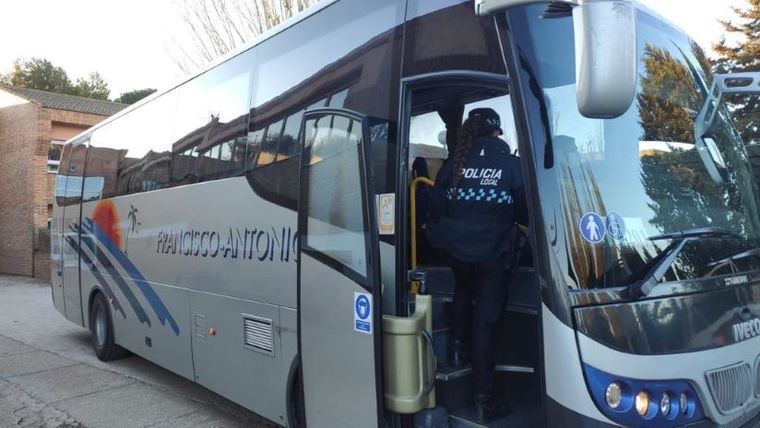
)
(363, 313)
(616, 225)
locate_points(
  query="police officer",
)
(479, 196)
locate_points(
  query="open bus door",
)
(339, 289)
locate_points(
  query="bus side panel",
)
(150, 318)
(235, 349)
(162, 344)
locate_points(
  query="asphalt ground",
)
(50, 377)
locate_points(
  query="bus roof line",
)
(268, 34)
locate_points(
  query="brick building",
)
(33, 127)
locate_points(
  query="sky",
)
(128, 42)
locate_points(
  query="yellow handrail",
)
(413, 191)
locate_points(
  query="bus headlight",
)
(613, 395)
(642, 403)
(665, 404)
(631, 402)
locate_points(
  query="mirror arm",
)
(702, 124)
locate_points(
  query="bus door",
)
(72, 215)
(339, 291)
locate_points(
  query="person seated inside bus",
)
(478, 198)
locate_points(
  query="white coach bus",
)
(258, 228)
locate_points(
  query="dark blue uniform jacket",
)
(473, 221)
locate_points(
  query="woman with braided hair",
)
(479, 196)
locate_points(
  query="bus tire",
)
(296, 412)
(101, 329)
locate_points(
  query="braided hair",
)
(461, 153)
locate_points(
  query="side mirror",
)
(605, 52)
(605, 57)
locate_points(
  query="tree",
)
(132, 97)
(216, 27)
(94, 86)
(743, 56)
(38, 73)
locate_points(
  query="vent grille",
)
(731, 387)
(259, 335)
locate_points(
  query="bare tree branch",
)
(216, 27)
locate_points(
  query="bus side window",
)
(212, 121)
(60, 179)
(75, 171)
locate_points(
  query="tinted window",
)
(60, 179)
(268, 150)
(68, 186)
(289, 141)
(338, 100)
(133, 153)
(254, 144)
(212, 122)
(335, 224)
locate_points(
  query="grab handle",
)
(432, 363)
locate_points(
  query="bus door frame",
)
(408, 86)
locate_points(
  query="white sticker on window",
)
(386, 213)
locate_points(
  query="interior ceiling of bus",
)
(441, 98)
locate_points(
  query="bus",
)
(262, 227)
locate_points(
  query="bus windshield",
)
(610, 189)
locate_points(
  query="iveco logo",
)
(746, 330)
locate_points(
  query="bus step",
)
(439, 279)
(522, 415)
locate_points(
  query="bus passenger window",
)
(254, 145)
(269, 145)
(289, 141)
(338, 100)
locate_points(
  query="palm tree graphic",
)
(132, 216)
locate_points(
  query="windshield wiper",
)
(661, 264)
(696, 232)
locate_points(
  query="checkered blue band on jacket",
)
(490, 195)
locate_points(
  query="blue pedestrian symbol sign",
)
(593, 228)
(363, 313)
(615, 226)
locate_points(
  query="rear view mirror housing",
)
(605, 52)
(605, 57)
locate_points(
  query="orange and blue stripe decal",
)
(150, 294)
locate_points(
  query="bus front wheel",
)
(101, 329)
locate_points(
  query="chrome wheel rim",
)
(100, 326)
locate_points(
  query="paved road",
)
(49, 376)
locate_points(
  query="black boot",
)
(487, 410)
(459, 354)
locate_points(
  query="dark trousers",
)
(485, 283)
